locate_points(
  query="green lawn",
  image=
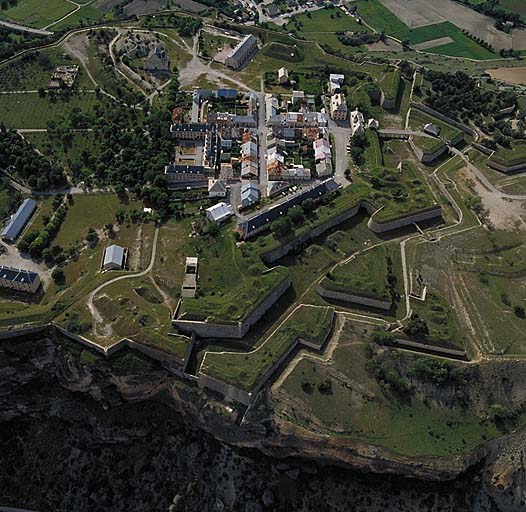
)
(383, 20)
(36, 13)
(517, 6)
(440, 319)
(373, 153)
(390, 83)
(400, 193)
(428, 144)
(510, 156)
(329, 19)
(244, 370)
(83, 17)
(367, 274)
(232, 280)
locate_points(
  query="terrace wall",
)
(382, 227)
(355, 299)
(217, 330)
(482, 149)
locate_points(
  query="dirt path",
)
(91, 306)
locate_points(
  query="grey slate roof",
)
(265, 217)
(17, 275)
(17, 222)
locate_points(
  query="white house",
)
(335, 82)
(357, 123)
(219, 212)
(283, 76)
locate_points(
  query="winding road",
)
(93, 310)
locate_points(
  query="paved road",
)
(262, 140)
(23, 28)
(480, 176)
(341, 136)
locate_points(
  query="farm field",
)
(516, 6)
(383, 19)
(515, 75)
(36, 13)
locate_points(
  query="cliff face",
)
(99, 436)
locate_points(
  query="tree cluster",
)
(35, 170)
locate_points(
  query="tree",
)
(281, 226)
(519, 311)
(417, 327)
(296, 214)
(58, 275)
(92, 237)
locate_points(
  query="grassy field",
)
(356, 407)
(428, 144)
(34, 70)
(383, 20)
(83, 17)
(400, 193)
(373, 153)
(418, 119)
(82, 270)
(390, 83)
(33, 111)
(232, 280)
(366, 275)
(510, 156)
(323, 26)
(244, 370)
(517, 6)
(36, 13)
(440, 319)
(134, 309)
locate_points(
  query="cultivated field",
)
(420, 13)
(512, 75)
(36, 13)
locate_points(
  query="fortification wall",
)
(228, 391)
(216, 330)
(443, 117)
(482, 149)
(24, 331)
(382, 227)
(356, 299)
(426, 157)
(284, 249)
(505, 169)
(234, 393)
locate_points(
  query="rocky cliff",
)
(82, 433)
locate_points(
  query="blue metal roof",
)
(17, 222)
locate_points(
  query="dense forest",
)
(457, 95)
(35, 170)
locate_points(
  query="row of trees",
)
(35, 242)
